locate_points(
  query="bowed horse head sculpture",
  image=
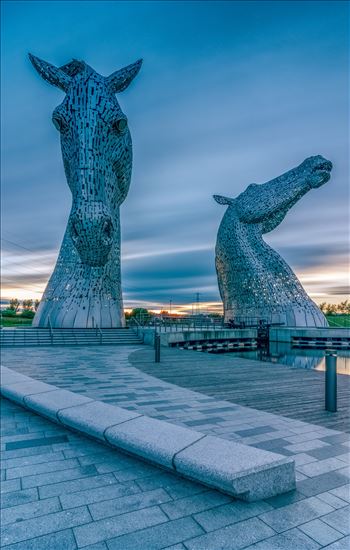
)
(85, 287)
(254, 281)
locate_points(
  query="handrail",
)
(179, 323)
(197, 322)
(50, 328)
(135, 322)
(98, 330)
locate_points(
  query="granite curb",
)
(244, 472)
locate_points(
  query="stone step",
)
(22, 337)
(24, 345)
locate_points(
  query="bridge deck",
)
(291, 392)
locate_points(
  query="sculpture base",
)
(287, 317)
(108, 314)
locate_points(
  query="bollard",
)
(157, 348)
(331, 381)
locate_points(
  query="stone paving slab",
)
(95, 417)
(20, 390)
(109, 376)
(152, 439)
(157, 537)
(50, 404)
(220, 463)
(157, 510)
(293, 392)
(247, 473)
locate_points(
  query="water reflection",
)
(283, 353)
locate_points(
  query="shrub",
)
(8, 313)
(27, 314)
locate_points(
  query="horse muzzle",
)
(92, 234)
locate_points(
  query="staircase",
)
(23, 337)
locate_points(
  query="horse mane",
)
(74, 67)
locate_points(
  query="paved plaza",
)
(97, 498)
(293, 392)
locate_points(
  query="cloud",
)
(176, 276)
(238, 96)
(305, 256)
(25, 279)
(339, 290)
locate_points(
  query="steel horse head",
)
(254, 281)
(97, 156)
(96, 150)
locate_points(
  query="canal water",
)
(294, 357)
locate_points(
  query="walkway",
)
(63, 491)
(292, 392)
(81, 483)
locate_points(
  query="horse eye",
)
(120, 125)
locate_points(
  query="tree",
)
(323, 307)
(344, 307)
(14, 304)
(36, 304)
(331, 309)
(27, 304)
(140, 313)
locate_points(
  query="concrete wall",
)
(168, 338)
(277, 334)
(280, 334)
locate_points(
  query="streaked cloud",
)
(243, 93)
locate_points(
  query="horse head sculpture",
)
(97, 156)
(254, 281)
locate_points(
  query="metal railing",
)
(50, 328)
(135, 325)
(189, 322)
(98, 330)
(165, 324)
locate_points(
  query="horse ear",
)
(73, 68)
(223, 200)
(120, 80)
(50, 73)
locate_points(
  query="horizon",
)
(245, 92)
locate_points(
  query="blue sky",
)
(229, 93)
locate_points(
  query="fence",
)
(189, 322)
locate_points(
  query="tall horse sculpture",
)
(85, 287)
(254, 281)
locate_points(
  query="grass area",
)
(15, 321)
(338, 320)
(333, 320)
